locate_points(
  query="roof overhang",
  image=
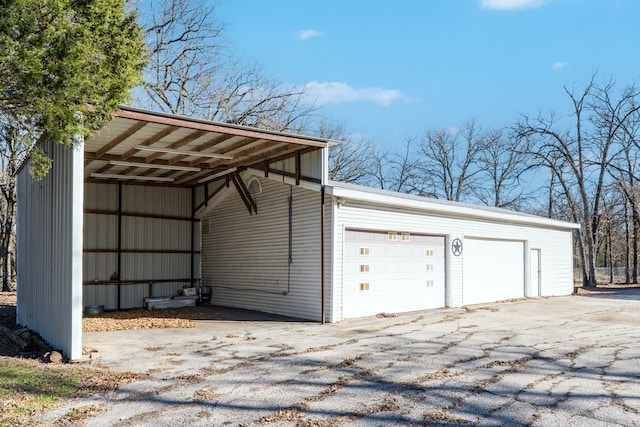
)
(445, 208)
(140, 146)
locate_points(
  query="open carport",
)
(117, 219)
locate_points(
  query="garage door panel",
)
(493, 270)
(398, 278)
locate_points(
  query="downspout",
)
(322, 273)
(290, 256)
(193, 228)
(119, 243)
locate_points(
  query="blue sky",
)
(393, 70)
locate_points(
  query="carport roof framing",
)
(141, 146)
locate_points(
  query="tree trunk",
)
(634, 239)
(627, 249)
(610, 253)
(7, 231)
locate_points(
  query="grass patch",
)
(27, 386)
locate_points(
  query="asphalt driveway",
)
(570, 361)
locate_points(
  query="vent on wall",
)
(206, 226)
(255, 186)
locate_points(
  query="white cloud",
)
(559, 66)
(309, 34)
(511, 4)
(335, 93)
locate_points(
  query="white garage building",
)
(155, 203)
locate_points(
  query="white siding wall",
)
(138, 234)
(245, 257)
(555, 244)
(49, 226)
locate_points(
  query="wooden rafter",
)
(118, 140)
(150, 141)
(220, 128)
(244, 193)
(154, 132)
(184, 141)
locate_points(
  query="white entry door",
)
(392, 272)
(534, 273)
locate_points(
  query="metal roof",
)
(441, 207)
(156, 148)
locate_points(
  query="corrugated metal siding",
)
(555, 244)
(310, 164)
(138, 234)
(245, 257)
(49, 225)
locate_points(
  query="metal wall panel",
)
(245, 257)
(310, 164)
(49, 227)
(157, 200)
(142, 237)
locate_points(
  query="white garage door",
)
(392, 273)
(493, 270)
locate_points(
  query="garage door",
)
(390, 272)
(493, 270)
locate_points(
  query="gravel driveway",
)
(570, 361)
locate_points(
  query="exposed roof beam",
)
(184, 141)
(118, 140)
(186, 153)
(109, 157)
(151, 140)
(130, 177)
(221, 128)
(155, 166)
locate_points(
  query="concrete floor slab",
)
(547, 361)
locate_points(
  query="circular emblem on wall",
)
(456, 247)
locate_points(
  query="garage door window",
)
(392, 236)
(364, 251)
(364, 268)
(406, 237)
(428, 253)
(364, 286)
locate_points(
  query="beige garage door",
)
(392, 272)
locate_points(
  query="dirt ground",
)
(95, 379)
(186, 317)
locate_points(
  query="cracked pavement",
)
(571, 361)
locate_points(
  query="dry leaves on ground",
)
(142, 319)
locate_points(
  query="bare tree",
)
(579, 158)
(402, 172)
(505, 164)
(192, 72)
(350, 157)
(14, 147)
(450, 162)
(380, 175)
(395, 171)
(627, 176)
